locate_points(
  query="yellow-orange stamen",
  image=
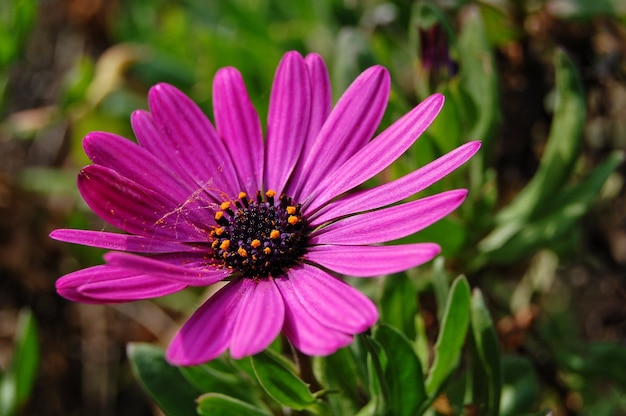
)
(219, 231)
(219, 215)
(242, 252)
(270, 193)
(225, 244)
(267, 250)
(293, 220)
(242, 195)
(224, 205)
(274, 234)
(291, 210)
(256, 243)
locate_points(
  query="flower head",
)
(276, 218)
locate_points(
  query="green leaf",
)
(218, 376)
(280, 382)
(26, 356)
(562, 148)
(487, 378)
(598, 360)
(338, 373)
(162, 381)
(398, 304)
(520, 388)
(451, 336)
(379, 391)
(566, 209)
(478, 73)
(7, 394)
(402, 372)
(216, 404)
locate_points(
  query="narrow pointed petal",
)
(124, 157)
(288, 120)
(209, 331)
(260, 318)
(367, 261)
(239, 126)
(377, 154)
(182, 270)
(334, 303)
(191, 136)
(106, 284)
(392, 192)
(350, 125)
(120, 242)
(139, 210)
(390, 223)
(321, 97)
(304, 331)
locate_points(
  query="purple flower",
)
(277, 219)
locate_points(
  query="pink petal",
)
(366, 261)
(350, 125)
(209, 331)
(121, 242)
(238, 125)
(304, 331)
(334, 303)
(260, 318)
(321, 97)
(106, 284)
(138, 210)
(390, 223)
(134, 162)
(392, 192)
(377, 154)
(184, 269)
(190, 135)
(288, 120)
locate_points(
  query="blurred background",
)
(543, 234)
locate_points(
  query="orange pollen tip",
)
(219, 215)
(267, 250)
(225, 205)
(270, 193)
(291, 210)
(242, 252)
(293, 220)
(225, 244)
(274, 234)
(219, 230)
(256, 243)
(242, 195)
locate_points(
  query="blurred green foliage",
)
(446, 362)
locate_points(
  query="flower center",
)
(258, 237)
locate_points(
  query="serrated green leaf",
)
(402, 371)
(451, 336)
(215, 404)
(280, 382)
(487, 379)
(162, 381)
